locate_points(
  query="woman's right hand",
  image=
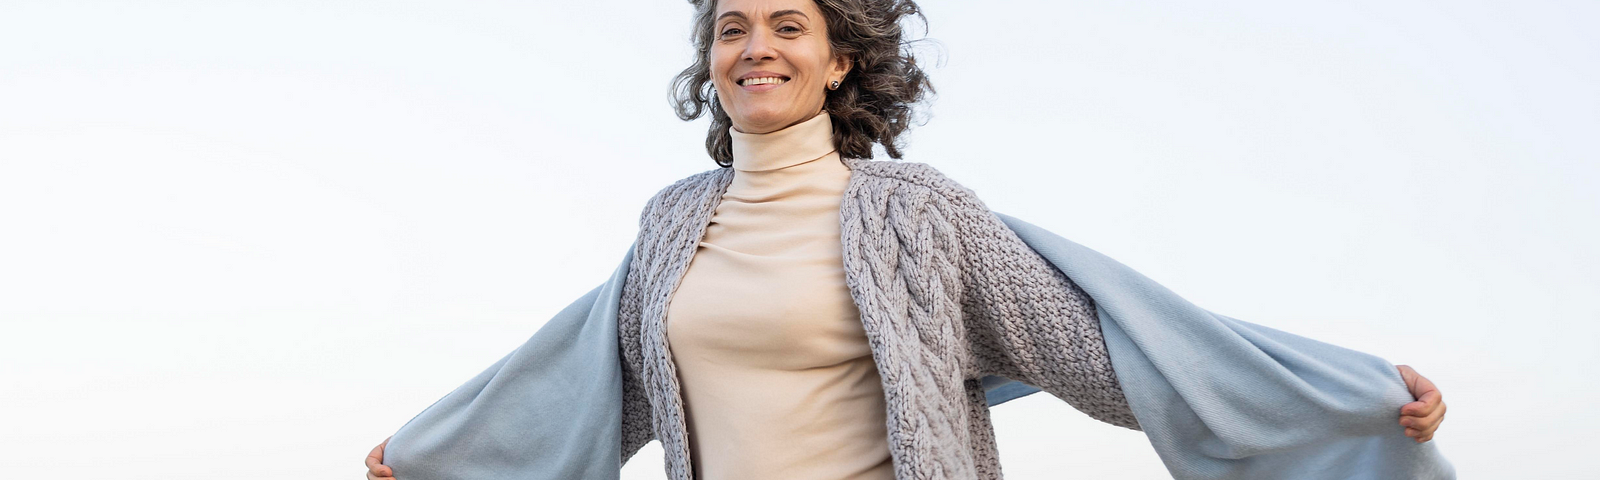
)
(376, 470)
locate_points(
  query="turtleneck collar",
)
(787, 147)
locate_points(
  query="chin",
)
(765, 120)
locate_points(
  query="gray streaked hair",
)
(873, 104)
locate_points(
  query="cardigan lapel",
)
(668, 237)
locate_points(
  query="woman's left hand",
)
(1423, 416)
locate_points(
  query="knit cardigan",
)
(933, 301)
(964, 308)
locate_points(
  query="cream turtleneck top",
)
(777, 376)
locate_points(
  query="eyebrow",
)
(774, 15)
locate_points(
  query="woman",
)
(838, 313)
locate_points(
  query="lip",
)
(763, 87)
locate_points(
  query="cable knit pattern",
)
(1027, 319)
(947, 294)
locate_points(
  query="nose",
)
(759, 47)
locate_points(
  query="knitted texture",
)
(947, 294)
(670, 228)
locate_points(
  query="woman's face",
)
(771, 62)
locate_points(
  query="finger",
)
(1430, 421)
(1409, 377)
(1420, 435)
(1434, 426)
(375, 461)
(1425, 422)
(1420, 386)
(1406, 373)
(1415, 381)
(1426, 404)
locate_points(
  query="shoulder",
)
(917, 177)
(696, 182)
(683, 192)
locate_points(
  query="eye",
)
(731, 31)
(789, 28)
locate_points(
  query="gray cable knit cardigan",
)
(947, 294)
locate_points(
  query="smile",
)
(750, 82)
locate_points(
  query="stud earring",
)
(835, 85)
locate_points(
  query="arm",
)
(1027, 321)
(1007, 279)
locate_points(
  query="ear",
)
(841, 67)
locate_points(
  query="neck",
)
(791, 124)
(792, 145)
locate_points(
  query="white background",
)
(249, 240)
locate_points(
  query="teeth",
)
(763, 81)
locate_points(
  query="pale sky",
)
(250, 240)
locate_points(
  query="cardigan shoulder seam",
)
(921, 175)
(671, 196)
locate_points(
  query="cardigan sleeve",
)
(1028, 322)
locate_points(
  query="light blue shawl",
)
(1219, 398)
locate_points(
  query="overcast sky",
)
(250, 240)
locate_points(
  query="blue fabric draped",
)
(1218, 398)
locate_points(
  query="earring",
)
(835, 85)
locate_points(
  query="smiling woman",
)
(804, 312)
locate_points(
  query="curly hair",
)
(873, 103)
